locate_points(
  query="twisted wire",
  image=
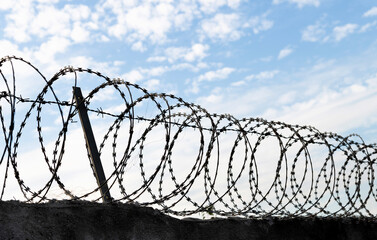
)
(311, 173)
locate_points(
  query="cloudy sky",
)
(308, 62)
(301, 61)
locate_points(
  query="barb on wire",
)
(226, 166)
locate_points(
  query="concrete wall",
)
(85, 220)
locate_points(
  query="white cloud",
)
(118, 63)
(8, 48)
(17, 22)
(214, 75)
(198, 51)
(259, 24)
(314, 33)
(234, 3)
(244, 100)
(103, 38)
(188, 66)
(367, 26)
(211, 6)
(152, 85)
(139, 74)
(156, 71)
(330, 95)
(77, 12)
(186, 11)
(262, 75)
(287, 98)
(317, 32)
(336, 106)
(194, 88)
(214, 98)
(47, 1)
(223, 27)
(146, 21)
(222, 73)
(118, 30)
(156, 59)
(47, 51)
(341, 32)
(50, 21)
(79, 34)
(27, 20)
(152, 21)
(338, 98)
(195, 53)
(299, 3)
(138, 46)
(174, 53)
(371, 12)
(285, 52)
(238, 83)
(6, 4)
(133, 76)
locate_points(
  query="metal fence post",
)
(91, 143)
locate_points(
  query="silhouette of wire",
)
(313, 173)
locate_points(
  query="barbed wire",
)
(309, 173)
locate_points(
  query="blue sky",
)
(301, 61)
(307, 62)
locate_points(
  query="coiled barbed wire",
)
(306, 172)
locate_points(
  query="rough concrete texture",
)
(87, 220)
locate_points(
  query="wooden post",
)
(91, 143)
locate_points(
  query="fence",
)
(305, 172)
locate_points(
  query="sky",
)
(307, 62)
(300, 61)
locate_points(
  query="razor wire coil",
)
(303, 184)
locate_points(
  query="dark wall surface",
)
(87, 220)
